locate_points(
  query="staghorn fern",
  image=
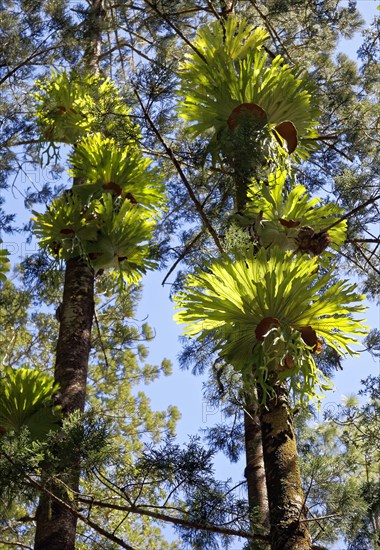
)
(70, 105)
(291, 219)
(271, 312)
(234, 81)
(122, 171)
(26, 400)
(65, 226)
(111, 234)
(123, 239)
(109, 215)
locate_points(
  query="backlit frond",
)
(267, 311)
(26, 400)
(291, 219)
(237, 81)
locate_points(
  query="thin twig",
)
(272, 31)
(182, 175)
(35, 53)
(351, 212)
(367, 260)
(181, 256)
(177, 30)
(339, 151)
(306, 520)
(128, 45)
(18, 544)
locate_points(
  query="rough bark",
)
(56, 526)
(254, 471)
(285, 494)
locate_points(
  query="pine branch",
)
(373, 241)
(63, 504)
(18, 544)
(174, 520)
(353, 211)
(272, 31)
(35, 53)
(376, 270)
(182, 255)
(317, 518)
(182, 175)
(182, 522)
(123, 43)
(176, 29)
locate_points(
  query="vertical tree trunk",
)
(285, 494)
(56, 527)
(254, 471)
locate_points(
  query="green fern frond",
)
(121, 171)
(26, 400)
(268, 312)
(236, 80)
(65, 226)
(4, 262)
(70, 105)
(110, 233)
(291, 219)
(122, 242)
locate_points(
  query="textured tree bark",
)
(254, 471)
(56, 527)
(285, 494)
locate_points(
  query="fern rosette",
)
(272, 312)
(26, 400)
(230, 79)
(111, 234)
(65, 226)
(70, 105)
(125, 172)
(291, 219)
(110, 216)
(123, 238)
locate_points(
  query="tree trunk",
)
(285, 494)
(56, 526)
(254, 471)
